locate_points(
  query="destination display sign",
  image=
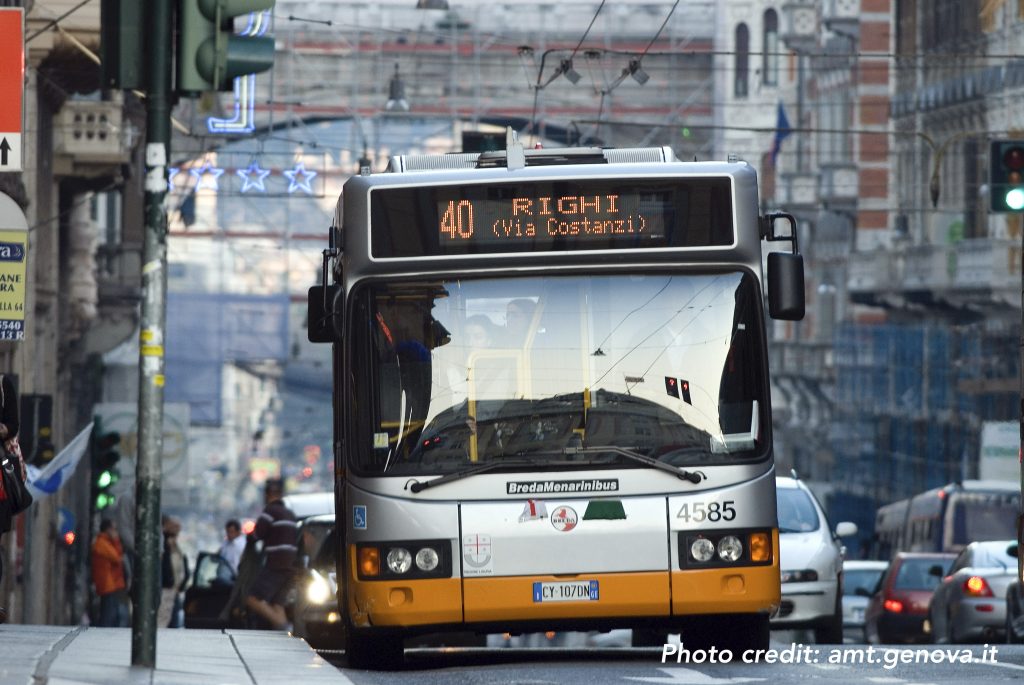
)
(597, 214)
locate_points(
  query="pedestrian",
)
(173, 574)
(234, 544)
(277, 528)
(108, 576)
(9, 425)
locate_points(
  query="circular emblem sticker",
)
(564, 519)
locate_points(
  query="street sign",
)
(12, 86)
(13, 261)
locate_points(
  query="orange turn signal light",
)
(369, 561)
(760, 547)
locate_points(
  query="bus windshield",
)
(456, 372)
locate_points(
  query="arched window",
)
(742, 60)
(770, 68)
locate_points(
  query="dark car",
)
(207, 599)
(216, 598)
(898, 609)
(315, 616)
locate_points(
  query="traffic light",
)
(122, 30)
(105, 454)
(1006, 175)
(210, 55)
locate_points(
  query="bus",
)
(551, 396)
(948, 518)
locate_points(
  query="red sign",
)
(12, 86)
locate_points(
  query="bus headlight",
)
(730, 548)
(399, 560)
(725, 548)
(427, 559)
(405, 559)
(318, 591)
(702, 549)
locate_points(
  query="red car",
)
(899, 607)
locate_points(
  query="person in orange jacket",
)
(108, 576)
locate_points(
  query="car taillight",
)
(893, 605)
(977, 587)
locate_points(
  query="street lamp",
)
(396, 94)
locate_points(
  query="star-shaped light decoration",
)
(294, 176)
(171, 173)
(206, 170)
(252, 177)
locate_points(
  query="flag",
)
(782, 131)
(49, 479)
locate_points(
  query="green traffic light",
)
(105, 479)
(1014, 199)
(103, 500)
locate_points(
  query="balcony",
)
(799, 190)
(841, 16)
(91, 137)
(838, 184)
(971, 274)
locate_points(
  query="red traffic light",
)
(1013, 158)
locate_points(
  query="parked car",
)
(898, 607)
(216, 597)
(206, 599)
(316, 616)
(1015, 607)
(860, 578)
(811, 561)
(970, 603)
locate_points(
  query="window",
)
(770, 68)
(742, 60)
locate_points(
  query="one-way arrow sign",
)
(12, 86)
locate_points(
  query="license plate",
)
(572, 591)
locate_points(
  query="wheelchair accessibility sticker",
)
(359, 517)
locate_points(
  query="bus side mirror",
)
(323, 316)
(786, 286)
(785, 270)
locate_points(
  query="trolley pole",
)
(145, 594)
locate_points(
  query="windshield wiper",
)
(683, 474)
(421, 485)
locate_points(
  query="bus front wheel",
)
(735, 632)
(375, 652)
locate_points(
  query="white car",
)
(811, 563)
(860, 578)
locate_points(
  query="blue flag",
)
(782, 131)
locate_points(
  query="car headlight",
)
(803, 576)
(399, 560)
(319, 590)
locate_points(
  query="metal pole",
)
(1020, 454)
(146, 590)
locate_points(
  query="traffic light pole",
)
(146, 590)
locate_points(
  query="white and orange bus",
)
(551, 397)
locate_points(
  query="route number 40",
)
(698, 512)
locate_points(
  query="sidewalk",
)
(65, 655)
